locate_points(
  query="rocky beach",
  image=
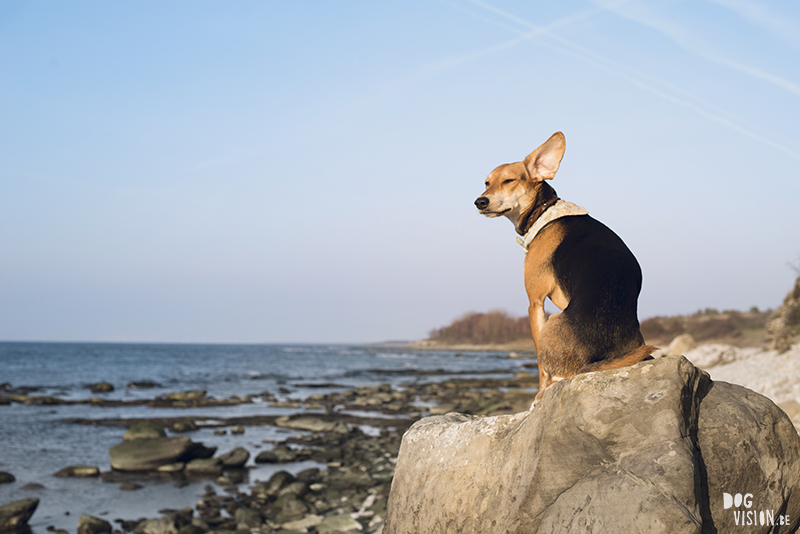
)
(255, 462)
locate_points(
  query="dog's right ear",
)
(542, 163)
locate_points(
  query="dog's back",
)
(602, 280)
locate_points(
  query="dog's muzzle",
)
(482, 203)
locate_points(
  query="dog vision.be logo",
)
(744, 516)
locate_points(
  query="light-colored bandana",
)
(556, 211)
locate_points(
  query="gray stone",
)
(88, 524)
(15, 515)
(167, 524)
(247, 518)
(235, 458)
(204, 466)
(144, 429)
(305, 422)
(147, 454)
(279, 455)
(647, 448)
(184, 426)
(340, 523)
(101, 387)
(79, 471)
(291, 507)
(191, 395)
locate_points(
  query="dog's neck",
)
(546, 196)
(555, 211)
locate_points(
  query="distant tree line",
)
(483, 328)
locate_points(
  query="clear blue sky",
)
(305, 171)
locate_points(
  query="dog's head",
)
(514, 190)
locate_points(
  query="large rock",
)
(147, 454)
(648, 448)
(15, 515)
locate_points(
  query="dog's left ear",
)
(542, 163)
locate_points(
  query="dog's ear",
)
(543, 162)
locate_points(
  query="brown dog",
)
(581, 265)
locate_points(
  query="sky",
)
(305, 172)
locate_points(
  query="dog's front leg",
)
(537, 319)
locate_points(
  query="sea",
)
(37, 441)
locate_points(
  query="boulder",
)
(235, 458)
(144, 429)
(147, 454)
(15, 515)
(79, 471)
(93, 525)
(653, 447)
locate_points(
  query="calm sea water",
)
(37, 441)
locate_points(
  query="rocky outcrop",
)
(783, 326)
(14, 516)
(649, 448)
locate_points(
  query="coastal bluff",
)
(655, 447)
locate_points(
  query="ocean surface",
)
(37, 441)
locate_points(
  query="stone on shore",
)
(15, 515)
(147, 454)
(79, 471)
(6, 478)
(166, 524)
(647, 448)
(306, 422)
(235, 458)
(144, 429)
(204, 466)
(101, 387)
(339, 523)
(93, 525)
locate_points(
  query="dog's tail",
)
(633, 357)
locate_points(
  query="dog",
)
(585, 269)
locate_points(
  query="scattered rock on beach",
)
(147, 454)
(680, 345)
(235, 458)
(88, 524)
(79, 471)
(204, 466)
(15, 515)
(101, 387)
(192, 395)
(6, 478)
(184, 426)
(144, 429)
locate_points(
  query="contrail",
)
(636, 78)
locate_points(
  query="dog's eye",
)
(508, 181)
(486, 184)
